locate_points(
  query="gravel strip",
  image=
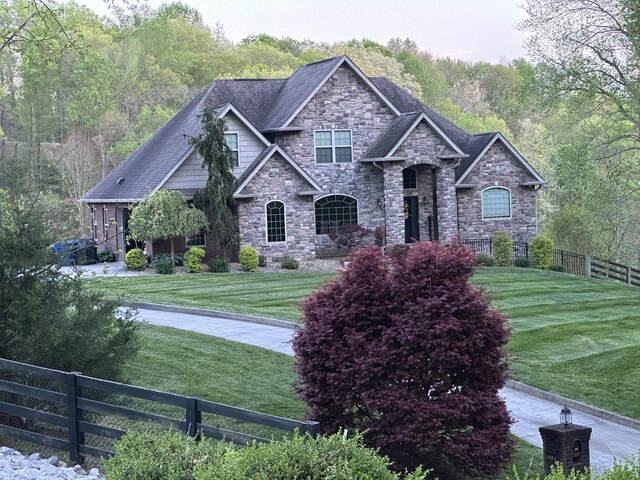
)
(15, 466)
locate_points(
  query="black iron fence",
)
(569, 262)
(85, 416)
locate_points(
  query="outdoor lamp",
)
(565, 416)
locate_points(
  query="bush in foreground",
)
(628, 469)
(193, 260)
(153, 455)
(135, 259)
(413, 359)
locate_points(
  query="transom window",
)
(232, 141)
(496, 203)
(333, 211)
(276, 222)
(333, 146)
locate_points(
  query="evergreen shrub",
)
(163, 266)
(135, 259)
(262, 261)
(193, 260)
(218, 265)
(522, 262)
(542, 251)
(502, 249)
(485, 260)
(249, 259)
(289, 263)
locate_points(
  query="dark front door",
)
(128, 243)
(411, 225)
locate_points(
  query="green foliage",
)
(502, 249)
(522, 262)
(302, 457)
(626, 469)
(163, 265)
(557, 268)
(44, 307)
(218, 265)
(165, 215)
(193, 260)
(542, 251)
(262, 261)
(178, 258)
(107, 256)
(216, 198)
(485, 260)
(289, 263)
(157, 455)
(135, 260)
(248, 259)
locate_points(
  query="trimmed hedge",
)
(193, 260)
(542, 251)
(502, 249)
(249, 259)
(135, 259)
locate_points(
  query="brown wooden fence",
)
(85, 415)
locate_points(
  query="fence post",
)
(193, 416)
(75, 437)
(628, 275)
(587, 266)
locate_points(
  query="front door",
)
(411, 223)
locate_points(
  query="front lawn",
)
(575, 336)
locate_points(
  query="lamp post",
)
(566, 443)
(565, 416)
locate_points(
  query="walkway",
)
(529, 410)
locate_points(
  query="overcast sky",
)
(466, 29)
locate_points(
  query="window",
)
(105, 222)
(94, 223)
(496, 203)
(232, 142)
(409, 179)
(197, 240)
(276, 223)
(333, 211)
(333, 146)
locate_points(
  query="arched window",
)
(276, 223)
(496, 202)
(335, 210)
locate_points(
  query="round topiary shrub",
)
(193, 260)
(542, 251)
(289, 263)
(218, 265)
(135, 259)
(249, 259)
(163, 266)
(502, 249)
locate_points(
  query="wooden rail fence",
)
(571, 262)
(79, 414)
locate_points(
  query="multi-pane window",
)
(496, 203)
(409, 179)
(276, 223)
(333, 146)
(197, 240)
(94, 223)
(105, 223)
(333, 211)
(232, 141)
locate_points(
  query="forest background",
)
(79, 92)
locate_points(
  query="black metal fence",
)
(569, 262)
(85, 416)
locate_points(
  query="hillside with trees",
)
(81, 92)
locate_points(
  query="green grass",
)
(574, 336)
(275, 295)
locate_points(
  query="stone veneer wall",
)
(278, 180)
(338, 107)
(498, 168)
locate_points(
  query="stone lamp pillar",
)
(566, 443)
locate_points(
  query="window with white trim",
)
(197, 240)
(276, 222)
(105, 222)
(334, 211)
(496, 202)
(333, 146)
(94, 223)
(232, 142)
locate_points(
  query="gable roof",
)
(478, 145)
(262, 159)
(148, 166)
(304, 83)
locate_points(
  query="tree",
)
(216, 198)
(349, 236)
(414, 359)
(49, 318)
(165, 215)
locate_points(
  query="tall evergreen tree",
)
(216, 198)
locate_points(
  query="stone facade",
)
(498, 167)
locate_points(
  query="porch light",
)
(565, 416)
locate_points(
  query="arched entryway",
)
(420, 203)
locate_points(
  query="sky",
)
(471, 30)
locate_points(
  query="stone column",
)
(447, 215)
(394, 203)
(567, 444)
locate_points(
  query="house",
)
(325, 147)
